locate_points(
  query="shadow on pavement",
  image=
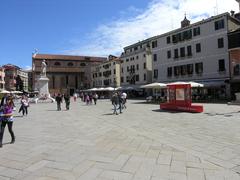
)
(108, 114)
(165, 111)
(222, 114)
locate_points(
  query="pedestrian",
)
(24, 105)
(59, 101)
(120, 104)
(7, 119)
(124, 98)
(75, 97)
(67, 101)
(95, 97)
(115, 103)
(87, 99)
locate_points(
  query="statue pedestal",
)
(42, 87)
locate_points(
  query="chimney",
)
(232, 12)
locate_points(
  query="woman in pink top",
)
(7, 119)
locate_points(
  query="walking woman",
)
(7, 119)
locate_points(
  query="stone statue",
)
(44, 68)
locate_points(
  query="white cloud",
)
(27, 68)
(159, 17)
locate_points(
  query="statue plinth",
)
(43, 86)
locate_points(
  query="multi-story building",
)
(15, 78)
(107, 74)
(195, 52)
(67, 74)
(234, 52)
(136, 67)
(2, 77)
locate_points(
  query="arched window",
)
(83, 64)
(70, 64)
(57, 64)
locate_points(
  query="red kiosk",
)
(179, 98)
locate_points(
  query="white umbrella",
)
(4, 92)
(154, 86)
(109, 89)
(93, 89)
(193, 84)
(16, 92)
(100, 89)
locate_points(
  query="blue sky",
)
(90, 27)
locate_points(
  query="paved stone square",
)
(143, 143)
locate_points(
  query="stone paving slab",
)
(142, 143)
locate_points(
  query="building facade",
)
(107, 74)
(234, 52)
(2, 78)
(196, 52)
(15, 78)
(67, 74)
(136, 66)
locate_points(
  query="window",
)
(174, 38)
(177, 70)
(135, 48)
(144, 77)
(127, 69)
(220, 43)
(186, 35)
(183, 70)
(182, 51)
(198, 47)
(169, 54)
(122, 70)
(66, 80)
(196, 31)
(70, 64)
(168, 40)
(169, 71)
(127, 60)
(236, 70)
(154, 57)
(175, 53)
(137, 67)
(122, 79)
(199, 68)
(219, 24)
(83, 64)
(154, 44)
(114, 71)
(221, 65)
(190, 69)
(144, 55)
(155, 73)
(189, 50)
(57, 64)
(137, 77)
(144, 65)
(136, 57)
